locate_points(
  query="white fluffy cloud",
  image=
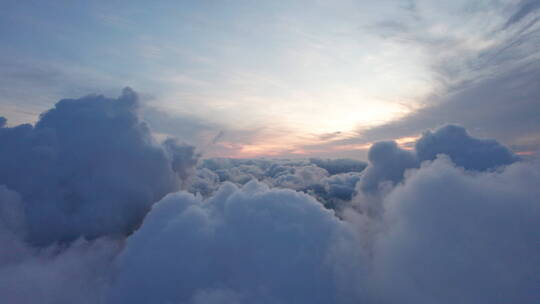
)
(444, 235)
(454, 236)
(80, 273)
(249, 244)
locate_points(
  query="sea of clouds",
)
(94, 209)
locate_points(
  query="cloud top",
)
(89, 167)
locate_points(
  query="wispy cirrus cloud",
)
(485, 79)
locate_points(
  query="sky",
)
(235, 152)
(284, 78)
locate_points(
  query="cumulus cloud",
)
(336, 191)
(444, 235)
(388, 163)
(184, 159)
(464, 150)
(89, 167)
(204, 182)
(331, 181)
(454, 236)
(239, 171)
(387, 167)
(302, 178)
(342, 186)
(245, 245)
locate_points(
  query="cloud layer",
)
(242, 245)
(94, 210)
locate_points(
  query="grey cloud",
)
(12, 216)
(525, 8)
(456, 237)
(59, 274)
(337, 191)
(302, 177)
(435, 238)
(342, 186)
(308, 176)
(255, 244)
(89, 167)
(204, 182)
(388, 163)
(438, 240)
(80, 273)
(464, 150)
(183, 158)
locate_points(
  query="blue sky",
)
(283, 78)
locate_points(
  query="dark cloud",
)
(12, 217)
(464, 150)
(387, 163)
(89, 167)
